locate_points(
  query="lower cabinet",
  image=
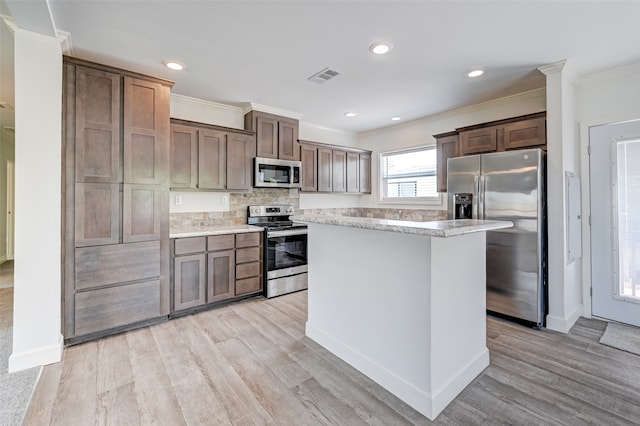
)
(216, 268)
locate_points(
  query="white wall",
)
(420, 133)
(607, 97)
(37, 336)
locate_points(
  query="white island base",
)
(406, 310)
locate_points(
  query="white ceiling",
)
(238, 52)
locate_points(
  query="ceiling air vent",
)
(324, 75)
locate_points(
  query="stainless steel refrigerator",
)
(507, 186)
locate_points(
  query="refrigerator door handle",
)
(481, 193)
(476, 198)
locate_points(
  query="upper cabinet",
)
(528, 131)
(446, 147)
(330, 168)
(276, 136)
(210, 157)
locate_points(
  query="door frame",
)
(586, 202)
(11, 210)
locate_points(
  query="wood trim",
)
(331, 146)
(502, 122)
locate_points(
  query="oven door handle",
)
(286, 233)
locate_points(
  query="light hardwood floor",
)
(249, 364)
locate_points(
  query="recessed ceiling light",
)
(475, 73)
(350, 114)
(395, 118)
(174, 65)
(380, 48)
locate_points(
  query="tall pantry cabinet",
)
(115, 199)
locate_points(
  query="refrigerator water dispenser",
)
(463, 205)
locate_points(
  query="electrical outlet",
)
(224, 200)
(178, 200)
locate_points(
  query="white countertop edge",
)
(203, 231)
(437, 228)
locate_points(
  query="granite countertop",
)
(199, 231)
(437, 228)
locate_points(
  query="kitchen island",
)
(401, 301)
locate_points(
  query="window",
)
(409, 175)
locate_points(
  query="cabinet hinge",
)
(590, 291)
(589, 220)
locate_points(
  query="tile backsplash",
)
(238, 203)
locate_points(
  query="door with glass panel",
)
(615, 221)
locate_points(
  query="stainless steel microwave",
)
(273, 173)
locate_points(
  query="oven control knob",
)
(256, 210)
(289, 209)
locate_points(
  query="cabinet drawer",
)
(106, 308)
(220, 242)
(248, 240)
(189, 245)
(104, 265)
(249, 285)
(251, 254)
(247, 270)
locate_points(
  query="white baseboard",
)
(36, 357)
(563, 325)
(428, 404)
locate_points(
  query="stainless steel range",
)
(285, 255)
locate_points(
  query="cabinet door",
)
(241, 149)
(479, 141)
(339, 171)
(446, 147)
(146, 131)
(288, 145)
(212, 160)
(365, 173)
(97, 214)
(353, 174)
(141, 212)
(97, 126)
(221, 275)
(309, 157)
(189, 281)
(325, 170)
(267, 137)
(183, 157)
(525, 134)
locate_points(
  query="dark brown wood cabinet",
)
(527, 131)
(365, 173)
(276, 136)
(353, 172)
(479, 141)
(309, 158)
(331, 168)
(183, 154)
(115, 199)
(325, 170)
(210, 157)
(220, 268)
(339, 175)
(525, 134)
(446, 147)
(189, 281)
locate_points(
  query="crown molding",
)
(506, 100)
(610, 74)
(65, 41)
(62, 37)
(552, 68)
(201, 102)
(271, 110)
